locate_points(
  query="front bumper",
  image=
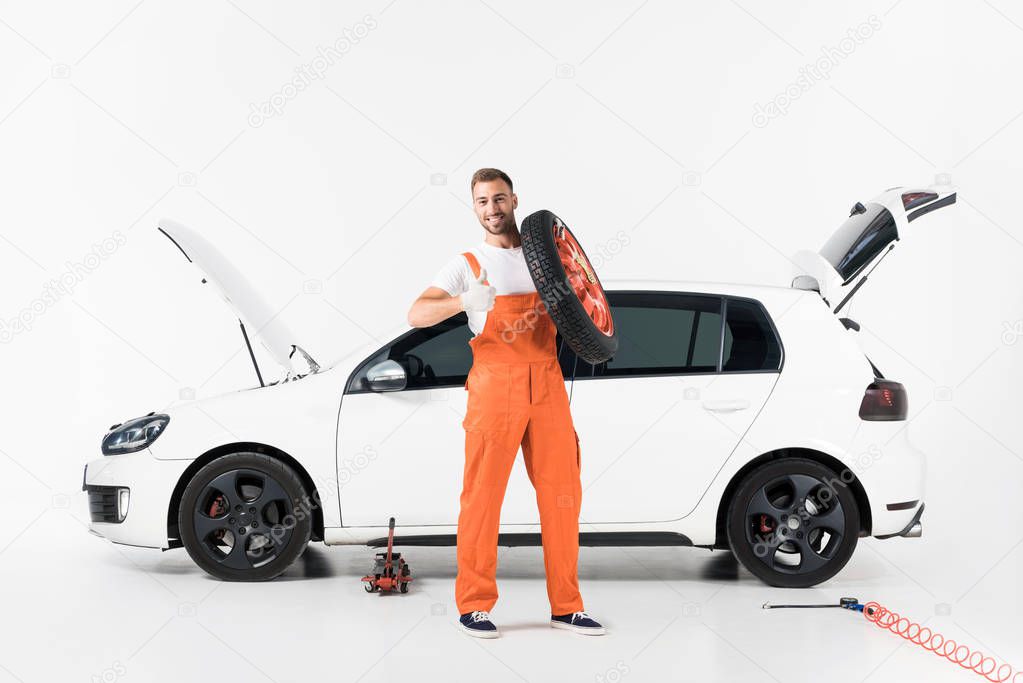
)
(151, 484)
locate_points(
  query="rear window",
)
(750, 343)
(859, 239)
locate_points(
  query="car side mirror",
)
(387, 375)
(807, 282)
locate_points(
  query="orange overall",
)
(517, 397)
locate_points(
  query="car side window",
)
(662, 334)
(750, 342)
(571, 365)
(433, 357)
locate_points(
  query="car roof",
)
(753, 291)
(774, 297)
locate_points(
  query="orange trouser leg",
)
(489, 456)
(551, 454)
(524, 404)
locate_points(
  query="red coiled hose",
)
(975, 661)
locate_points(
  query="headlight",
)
(134, 435)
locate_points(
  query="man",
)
(517, 398)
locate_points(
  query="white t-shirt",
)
(506, 272)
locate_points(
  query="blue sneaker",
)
(580, 622)
(478, 625)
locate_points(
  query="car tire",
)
(569, 287)
(245, 517)
(793, 507)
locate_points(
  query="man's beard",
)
(505, 225)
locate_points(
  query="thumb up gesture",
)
(480, 297)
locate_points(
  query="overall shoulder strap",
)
(474, 265)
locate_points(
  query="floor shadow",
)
(595, 564)
(314, 564)
(722, 566)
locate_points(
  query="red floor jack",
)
(390, 571)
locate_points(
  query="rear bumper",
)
(914, 529)
(892, 471)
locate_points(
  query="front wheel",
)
(245, 517)
(793, 523)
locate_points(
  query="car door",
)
(657, 421)
(401, 453)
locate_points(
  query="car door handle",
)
(727, 405)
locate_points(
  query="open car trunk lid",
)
(840, 267)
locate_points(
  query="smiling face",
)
(495, 204)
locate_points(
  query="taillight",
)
(911, 200)
(884, 400)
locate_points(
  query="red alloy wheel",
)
(569, 287)
(582, 279)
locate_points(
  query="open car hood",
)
(260, 321)
(872, 229)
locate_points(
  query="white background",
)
(634, 117)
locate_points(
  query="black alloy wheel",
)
(793, 523)
(245, 517)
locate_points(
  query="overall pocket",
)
(489, 390)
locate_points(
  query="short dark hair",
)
(486, 174)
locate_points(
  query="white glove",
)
(480, 297)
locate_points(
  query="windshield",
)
(859, 239)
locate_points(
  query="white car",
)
(732, 416)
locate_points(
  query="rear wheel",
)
(793, 523)
(245, 517)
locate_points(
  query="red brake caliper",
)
(217, 509)
(765, 528)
